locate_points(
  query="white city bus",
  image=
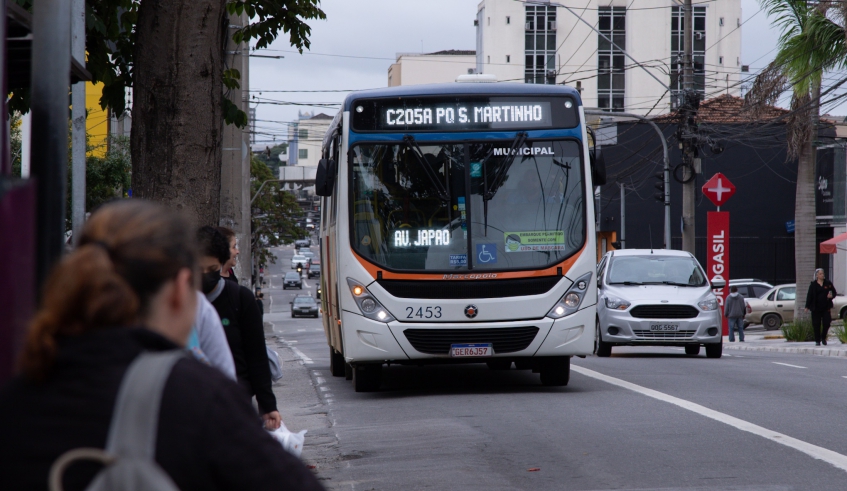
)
(457, 226)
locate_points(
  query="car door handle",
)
(779, 305)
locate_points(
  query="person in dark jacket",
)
(242, 323)
(228, 270)
(734, 309)
(819, 302)
(135, 266)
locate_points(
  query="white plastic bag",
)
(291, 442)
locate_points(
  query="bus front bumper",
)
(366, 340)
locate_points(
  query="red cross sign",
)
(718, 189)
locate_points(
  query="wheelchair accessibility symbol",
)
(486, 253)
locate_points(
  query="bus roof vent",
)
(477, 78)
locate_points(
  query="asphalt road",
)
(646, 418)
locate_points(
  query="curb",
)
(801, 351)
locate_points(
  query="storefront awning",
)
(829, 246)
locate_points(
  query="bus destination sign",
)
(433, 114)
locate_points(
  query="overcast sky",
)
(363, 37)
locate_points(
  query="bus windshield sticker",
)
(458, 259)
(486, 253)
(541, 240)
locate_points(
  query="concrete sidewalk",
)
(774, 342)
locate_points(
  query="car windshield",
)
(308, 254)
(303, 300)
(655, 269)
(292, 276)
(299, 258)
(480, 206)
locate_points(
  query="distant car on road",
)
(308, 253)
(314, 270)
(302, 242)
(751, 287)
(776, 306)
(292, 280)
(656, 298)
(304, 305)
(299, 259)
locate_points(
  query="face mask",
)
(210, 281)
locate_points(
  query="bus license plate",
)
(664, 327)
(470, 350)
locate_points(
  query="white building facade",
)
(431, 68)
(305, 138)
(541, 42)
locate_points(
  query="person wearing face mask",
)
(242, 324)
(128, 288)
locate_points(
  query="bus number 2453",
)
(423, 312)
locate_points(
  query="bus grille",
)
(469, 289)
(438, 341)
(664, 312)
(664, 334)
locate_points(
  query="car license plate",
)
(471, 350)
(664, 327)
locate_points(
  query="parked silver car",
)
(656, 298)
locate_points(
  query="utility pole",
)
(687, 110)
(78, 122)
(622, 238)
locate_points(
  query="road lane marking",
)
(305, 359)
(833, 458)
(787, 364)
(301, 330)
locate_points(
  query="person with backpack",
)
(120, 308)
(242, 323)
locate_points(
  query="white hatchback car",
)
(657, 298)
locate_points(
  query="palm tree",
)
(809, 44)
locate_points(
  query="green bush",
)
(799, 330)
(841, 333)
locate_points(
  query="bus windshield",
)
(492, 205)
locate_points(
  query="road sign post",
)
(718, 189)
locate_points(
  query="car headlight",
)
(616, 303)
(709, 304)
(572, 299)
(368, 305)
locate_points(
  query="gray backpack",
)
(129, 457)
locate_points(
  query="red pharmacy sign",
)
(717, 255)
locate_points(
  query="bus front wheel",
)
(367, 377)
(555, 371)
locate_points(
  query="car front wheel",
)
(714, 350)
(603, 349)
(771, 322)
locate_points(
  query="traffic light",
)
(660, 185)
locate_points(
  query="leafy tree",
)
(271, 157)
(810, 43)
(274, 214)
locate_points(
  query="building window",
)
(611, 62)
(488, 59)
(303, 153)
(540, 46)
(508, 20)
(508, 59)
(678, 51)
(720, 60)
(303, 134)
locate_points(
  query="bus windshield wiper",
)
(440, 188)
(499, 175)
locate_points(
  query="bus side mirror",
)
(325, 177)
(598, 167)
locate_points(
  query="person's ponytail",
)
(128, 250)
(84, 293)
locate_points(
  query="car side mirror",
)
(291, 303)
(325, 177)
(718, 282)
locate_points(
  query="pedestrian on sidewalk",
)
(242, 323)
(734, 309)
(129, 287)
(228, 271)
(819, 302)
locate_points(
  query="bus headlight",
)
(572, 299)
(368, 305)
